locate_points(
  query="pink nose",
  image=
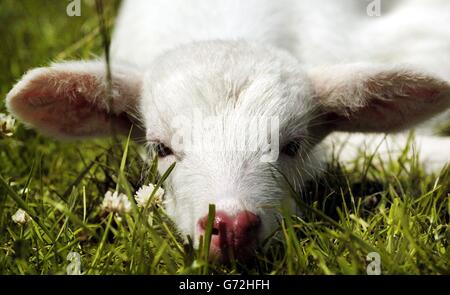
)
(236, 235)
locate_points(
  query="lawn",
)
(390, 208)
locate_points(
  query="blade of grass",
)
(102, 243)
(208, 235)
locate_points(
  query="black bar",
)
(223, 284)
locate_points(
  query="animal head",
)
(242, 121)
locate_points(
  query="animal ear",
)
(363, 98)
(74, 100)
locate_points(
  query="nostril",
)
(221, 221)
(246, 227)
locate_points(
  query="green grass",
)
(392, 208)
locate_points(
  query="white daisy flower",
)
(21, 217)
(7, 124)
(143, 195)
(23, 191)
(117, 203)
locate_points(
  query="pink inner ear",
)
(394, 102)
(430, 95)
(67, 105)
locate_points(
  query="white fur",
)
(236, 59)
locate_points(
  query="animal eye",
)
(291, 149)
(163, 151)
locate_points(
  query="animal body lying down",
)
(283, 77)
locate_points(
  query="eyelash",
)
(162, 150)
